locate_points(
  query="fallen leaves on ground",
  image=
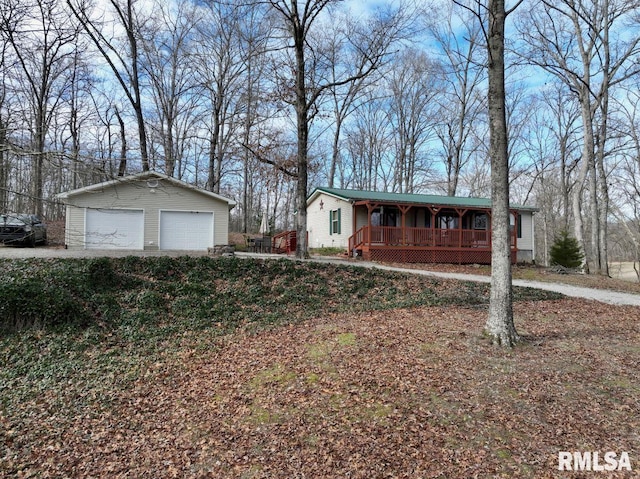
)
(405, 394)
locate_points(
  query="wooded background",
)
(397, 101)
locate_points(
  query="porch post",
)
(370, 208)
(354, 222)
(402, 225)
(404, 210)
(433, 225)
(460, 215)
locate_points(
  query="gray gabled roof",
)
(146, 175)
(384, 197)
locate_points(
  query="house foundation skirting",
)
(391, 255)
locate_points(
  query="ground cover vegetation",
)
(203, 367)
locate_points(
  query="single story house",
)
(397, 227)
(147, 211)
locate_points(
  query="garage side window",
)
(334, 221)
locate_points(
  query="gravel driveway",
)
(601, 295)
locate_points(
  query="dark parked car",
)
(22, 229)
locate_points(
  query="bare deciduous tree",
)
(627, 179)
(414, 85)
(577, 42)
(344, 99)
(463, 101)
(120, 52)
(6, 112)
(309, 81)
(500, 325)
(368, 146)
(168, 63)
(221, 59)
(42, 39)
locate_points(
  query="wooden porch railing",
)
(284, 242)
(391, 236)
(356, 240)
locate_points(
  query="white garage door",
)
(114, 229)
(186, 230)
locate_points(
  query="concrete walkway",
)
(601, 295)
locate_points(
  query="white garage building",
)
(147, 211)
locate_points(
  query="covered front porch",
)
(415, 233)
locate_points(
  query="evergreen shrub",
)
(566, 251)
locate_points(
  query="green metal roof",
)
(384, 197)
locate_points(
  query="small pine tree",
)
(566, 251)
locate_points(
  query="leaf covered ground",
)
(396, 388)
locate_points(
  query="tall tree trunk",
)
(4, 168)
(132, 31)
(122, 164)
(38, 160)
(500, 326)
(247, 200)
(564, 187)
(336, 150)
(594, 216)
(169, 148)
(587, 162)
(302, 117)
(213, 182)
(246, 170)
(603, 194)
(603, 186)
(576, 206)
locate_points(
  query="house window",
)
(334, 221)
(390, 218)
(375, 218)
(480, 222)
(448, 221)
(427, 218)
(519, 225)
